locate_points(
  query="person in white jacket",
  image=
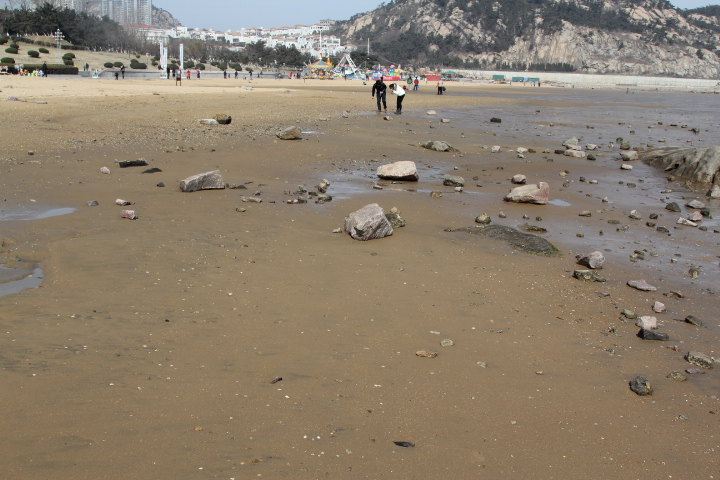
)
(399, 92)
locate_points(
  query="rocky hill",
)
(643, 37)
(161, 18)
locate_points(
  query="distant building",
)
(127, 12)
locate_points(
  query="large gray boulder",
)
(203, 181)
(538, 194)
(697, 166)
(368, 223)
(290, 133)
(405, 170)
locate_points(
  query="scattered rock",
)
(672, 207)
(453, 181)
(290, 133)
(445, 120)
(641, 386)
(635, 215)
(646, 322)
(395, 219)
(160, 184)
(536, 194)
(659, 307)
(699, 359)
(495, 120)
(629, 314)
(696, 204)
(594, 260)
(574, 153)
(588, 276)
(625, 166)
(692, 320)
(209, 121)
(431, 112)
(571, 143)
(677, 376)
(129, 215)
(483, 219)
(404, 444)
(152, 170)
(132, 163)
(439, 146)
(203, 181)
(122, 203)
(519, 179)
(653, 335)
(105, 171)
(368, 223)
(714, 192)
(495, 149)
(425, 354)
(405, 170)
(585, 213)
(641, 285)
(628, 155)
(93, 203)
(223, 119)
(447, 343)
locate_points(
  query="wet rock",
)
(395, 219)
(659, 307)
(522, 241)
(404, 171)
(693, 320)
(223, 119)
(404, 444)
(571, 143)
(536, 194)
(93, 203)
(519, 179)
(132, 163)
(625, 166)
(699, 359)
(483, 219)
(290, 133)
(439, 146)
(641, 386)
(641, 285)
(646, 322)
(453, 181)
(594, 260)
(698, 166)
(431, 112)
(653, 335)
(368, 223)
(203, 181)
(696, 204)
(588, 276)
(635, 215)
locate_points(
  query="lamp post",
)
(58, 38)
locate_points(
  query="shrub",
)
(43, 50)
(118, 64)
(14, 45)
(236, 66)
(68, 61)
(189, 64)
(138, 66)
(156, 58)
(34, 54)
(3, 40)
(222, 66)
(200, 66)
(68, 56)
(54, 69)
(12, 51)
(7, 60)
(154, 63)
(108, 65)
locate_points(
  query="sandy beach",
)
(216, 338)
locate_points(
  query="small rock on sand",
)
(223, 119)
(105, 171)
(697, 204)
(641, 285)
(593, 260)
(129, 215)
(588, 276)
(453, 181)
(209, 121)
(519, 179)
(659, 307)
(405, 170)
(628, 155)
(574, 153)
(714, 192)
(699, 359)
(646, 322)
(203, 181)
(368, 223)
(537, 194)
(439, 146)
(290, 133)
(652, 335)
(641, 386)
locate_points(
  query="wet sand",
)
(148, 352)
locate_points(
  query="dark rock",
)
(132, 163)
(152, 170)
(692, 320)
(453, 181)
(699, 359)
(673, 207)
(404, 444)
(522, 241)
(495, 120)
(641, 386)
(223, 119)
(653, 335)
(160, 185)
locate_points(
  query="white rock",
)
(658, 307)
(405, 170)
(209, 121)
(519, 179)
(591, 146)
(635, 215)
(714, 192)
(686, 222)
(647, 322)
(521, 150)
(105, 171)
(496, 149)
(368, 223)
(628, 155)
(431, 112)
(538, 194)
(574, 153)
(594, 260)
(697, 204)
(290, 133)
(625, 166)
(203, 181)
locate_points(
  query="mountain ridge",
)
(635, 37)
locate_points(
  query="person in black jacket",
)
(379, 91)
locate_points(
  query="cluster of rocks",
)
(304, 195)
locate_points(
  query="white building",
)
(127, 12)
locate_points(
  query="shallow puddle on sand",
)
(16, 280)
(560, 203)
(35, 213)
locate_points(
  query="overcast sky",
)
(224, 14)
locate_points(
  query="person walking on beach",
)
(178, 77)
(168, 72)
(188, 73)
(122, 71)
(416, 84)
(197, 73)
(441, 87)
(379, 91)
(399, 92)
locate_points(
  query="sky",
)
(224, 14)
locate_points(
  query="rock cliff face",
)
(163, 19)
(639, 37)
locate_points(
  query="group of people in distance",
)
(379, 92)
